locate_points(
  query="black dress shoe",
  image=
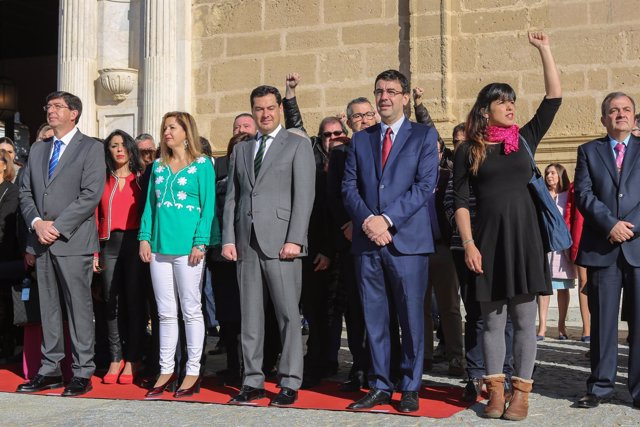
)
(247, 394)
(287, 396)
(589, 401)
(636, 404)
(77, 387)
(472, 390)
(351, 384)
(40, 382)
(409, 402)
(371, 399)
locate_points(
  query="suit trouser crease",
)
(386, 274)
(283, 281)
(176, 282)
(70, 275)
(604, 286)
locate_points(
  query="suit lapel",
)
(399, 141)
(630, 157)
(248, 160)
(48, 143)
(272, 153)
(604, 150)
(376, 148)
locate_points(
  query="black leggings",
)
(124, 295)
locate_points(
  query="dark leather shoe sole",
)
(284, 401)
(71, 393)
(37, 389)
(591, 402)
(248, 397)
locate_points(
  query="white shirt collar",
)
(395, 127)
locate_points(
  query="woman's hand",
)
(145, 251)
(96, 265)
(196, 255)
(473, 258)
(538, 40)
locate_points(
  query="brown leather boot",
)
(495, 388)
(519, 406)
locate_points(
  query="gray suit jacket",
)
(278, 202)
(69, 198)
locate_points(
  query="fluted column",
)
(78, 47)
(160, 63)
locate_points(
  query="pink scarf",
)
(510, 137)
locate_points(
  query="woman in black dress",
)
(504, 250)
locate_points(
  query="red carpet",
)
(435, 402)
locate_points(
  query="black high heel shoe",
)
(157, 391)
(195, 388)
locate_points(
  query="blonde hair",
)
(188, 123)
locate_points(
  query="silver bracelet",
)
(464, 243)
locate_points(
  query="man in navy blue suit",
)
(607, 179)
(390, 174)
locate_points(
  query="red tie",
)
(386, 146)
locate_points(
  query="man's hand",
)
(145, 251)
(321, 262)
(289, 251)
(46, 232)
(374, 226)
(292, 80)
(229, 252)
(383, 239)
(96, 265)
(343, 118)
(621, 232)
(417, 95)
(347, 230)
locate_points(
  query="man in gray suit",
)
(269, 199)
(60, 189)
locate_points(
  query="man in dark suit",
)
(269, 199)
(60, 189)
(607, 179)
(390, 175)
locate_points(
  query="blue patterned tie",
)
(55, 156)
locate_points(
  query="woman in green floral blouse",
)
(174, 232)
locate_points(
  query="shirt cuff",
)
(388, 220)
(227, 244)
(36, 219)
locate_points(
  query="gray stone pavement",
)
(560, 380)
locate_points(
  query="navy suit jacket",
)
(400, 191)
(603, 199)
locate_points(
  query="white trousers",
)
(175, 280)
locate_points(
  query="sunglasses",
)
(334, 133)
(147, 152)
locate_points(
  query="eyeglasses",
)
(54, 106)
(359, 116)
(390, 92)
(147, 152)
(334, 133)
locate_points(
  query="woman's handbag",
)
(26, 305)
(554, 231)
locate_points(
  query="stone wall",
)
(450, 47)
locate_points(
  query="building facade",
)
(205, 56)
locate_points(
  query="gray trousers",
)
(72, 276)
(283, 281)
(523, 310)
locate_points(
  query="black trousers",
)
(123, 293)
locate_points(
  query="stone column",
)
(78, 46)
(159, 80)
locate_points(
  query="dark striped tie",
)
(55, 156)
(257, 162)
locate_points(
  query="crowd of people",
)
(124, 245)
